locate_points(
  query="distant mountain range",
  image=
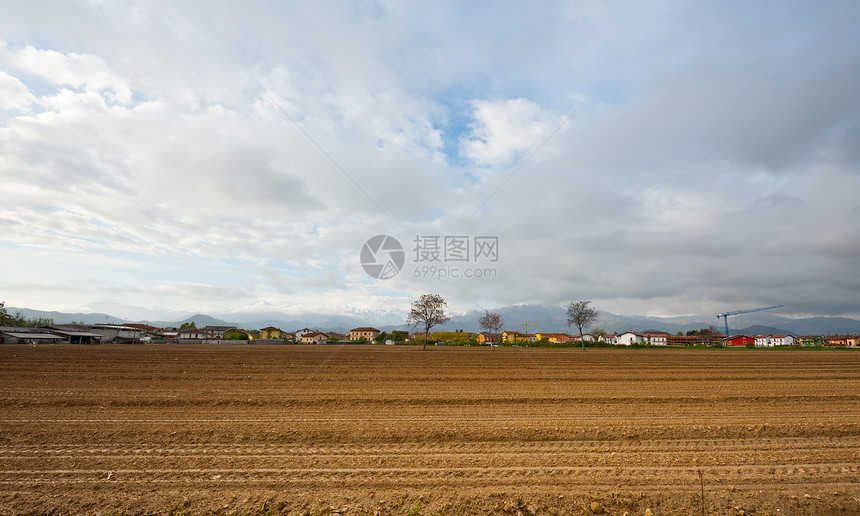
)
(529, 318)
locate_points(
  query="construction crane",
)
(726, 315)
(525, 326)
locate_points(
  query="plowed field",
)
(381, 429)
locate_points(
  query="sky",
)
(657, 158)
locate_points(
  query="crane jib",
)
(726, 315)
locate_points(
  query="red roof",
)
(365, 328)
(141, 326)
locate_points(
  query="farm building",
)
(116, 333)
(75, 335)
(14, 335)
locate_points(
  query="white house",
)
(656, 338)
(770, 341)
(610, 339)
(782, 340)
(301, 333)
(193, 334)
(628, 338)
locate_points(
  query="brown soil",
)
(376, 429)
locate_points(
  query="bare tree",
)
(491, 322)
(581, 315)
(429, 310)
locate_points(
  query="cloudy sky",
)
(662, 158)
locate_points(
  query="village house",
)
(515, 337)
(628, 338)
(193, 334)
(314, 337)
(846, 341)
(218, 332)
(739, 340)
(583, 337)
(683, 340)
(553, 337)
(300, 333)
(810, 340)
(334, 336)
(770, 341)
(271, 333)
(364, 332)
(488, 338)
(656, 338)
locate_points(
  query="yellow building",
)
(363, 332)
(553, 337)
(515, 336)
(314, 338)
(485, 338)
(271, 332)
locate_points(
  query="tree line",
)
(19, 321)
(431, 310)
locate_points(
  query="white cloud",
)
(72, 69)
(144, 140)
(507, 130)
(14, 93)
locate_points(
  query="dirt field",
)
(364, 430)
